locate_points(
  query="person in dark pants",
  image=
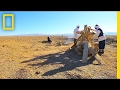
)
(49, 39)
(101, 39)
(101, 46)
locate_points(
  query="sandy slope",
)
(33, 58)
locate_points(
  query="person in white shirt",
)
(101, 39)
(76, 32)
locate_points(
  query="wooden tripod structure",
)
(85, 45)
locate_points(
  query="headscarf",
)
(96, 26)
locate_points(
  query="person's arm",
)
(96, 34)
(78, 32)
(93, 29)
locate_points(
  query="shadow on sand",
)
(70, 59)
(44, 41)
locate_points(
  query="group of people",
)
(98, 34)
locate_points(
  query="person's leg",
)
(75, 41)
(50, 41)
(101, 47)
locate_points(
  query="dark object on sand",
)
(49, 39)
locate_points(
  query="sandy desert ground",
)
(31, 57)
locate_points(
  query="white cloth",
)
(75, 34)
(96, 27)
(101, 38)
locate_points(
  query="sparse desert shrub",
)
(111, 41)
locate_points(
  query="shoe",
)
(100, 53)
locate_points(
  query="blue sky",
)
(57, 22)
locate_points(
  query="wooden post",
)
(94, 53)
(83, 33)
(85, 28)
(85, 52)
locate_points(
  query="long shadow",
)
(44, 41)
(70, 60)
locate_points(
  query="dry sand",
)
(31, 57)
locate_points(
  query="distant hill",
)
(70, 35)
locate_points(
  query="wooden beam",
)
(79, 39)
(85, 52)
(94, 53)
(85, 28)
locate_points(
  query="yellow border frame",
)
(4, 15)
(118, 45)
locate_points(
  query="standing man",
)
(101, 39)
(76, 32)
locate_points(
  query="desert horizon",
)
(56, 34)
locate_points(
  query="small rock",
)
(37, 72)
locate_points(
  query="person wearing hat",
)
(76, 32)
(101, 39)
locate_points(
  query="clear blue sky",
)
(57, 22)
